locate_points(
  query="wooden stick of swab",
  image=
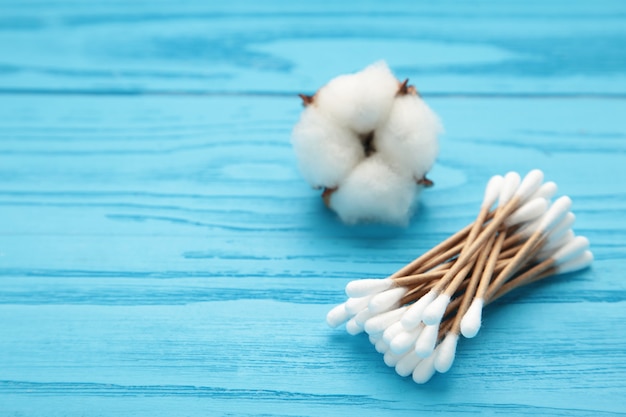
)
(578, 263)
(443, 246)
(417, 279)
(450, 329)
(444, 256)
(471, 320)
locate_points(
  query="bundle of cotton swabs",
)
(414, 317)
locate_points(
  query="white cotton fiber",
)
(373, 192)
(408, 138)
(368, 140)
(359, 101)
(326, 152)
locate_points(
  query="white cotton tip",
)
(435, 310)
(571, 250)
(509, 187)
(392, 331)
(353, 328)
(492, 190)
(406, 365)
(359, 101)
(555, 213)
(374, 192)
(470, 324)
(375, 338)
(554, 244)
(363, 316)
(527, 229)
(424, 370)
(326, 153)
(355, 304)
(405, 340)
(385, 300)
(446, 352)
(380, 322)
(529, 211)
(425, 343)
(363, 287)
(408, 138)
(381, 346)
(391, 358)
(413, 316)
(530, 184)
(547, 190)
(563, 226)
(582, 261)
(338, 315)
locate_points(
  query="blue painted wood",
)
(274, 47)
(160, 254)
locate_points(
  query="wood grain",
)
(160, 254)
(488, 47)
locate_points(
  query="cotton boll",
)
(373, 192)
(408, 138)
(326, 152)
(359, 101)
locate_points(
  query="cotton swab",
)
(415, 316)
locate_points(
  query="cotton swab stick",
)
(471, 321)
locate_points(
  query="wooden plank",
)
(160, 254)
(275, 47)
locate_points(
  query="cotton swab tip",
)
(337, 315)
(392, 331)
(353, 328)
(470, 324)
(369, 286)
(582, 261)
(446, 353)
(435, 310)
(356, 304)
(391, 359)
(530, 184)
(563, 225)
(383, 301)
(363, 316)
(413, 316)
(527, 212)
(547, 190)
(405, 340)
(555, 213)
(381, 346)
(509, 187)
(426, 341)
(407, 364)
(492, 191)
(380, 322)
(424, 370)
(571, 250)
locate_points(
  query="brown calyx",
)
(328, 192)
(406, 89)
(425, 182)
(306, 100)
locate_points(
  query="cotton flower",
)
(368, 140)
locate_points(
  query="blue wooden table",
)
(160, 255)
